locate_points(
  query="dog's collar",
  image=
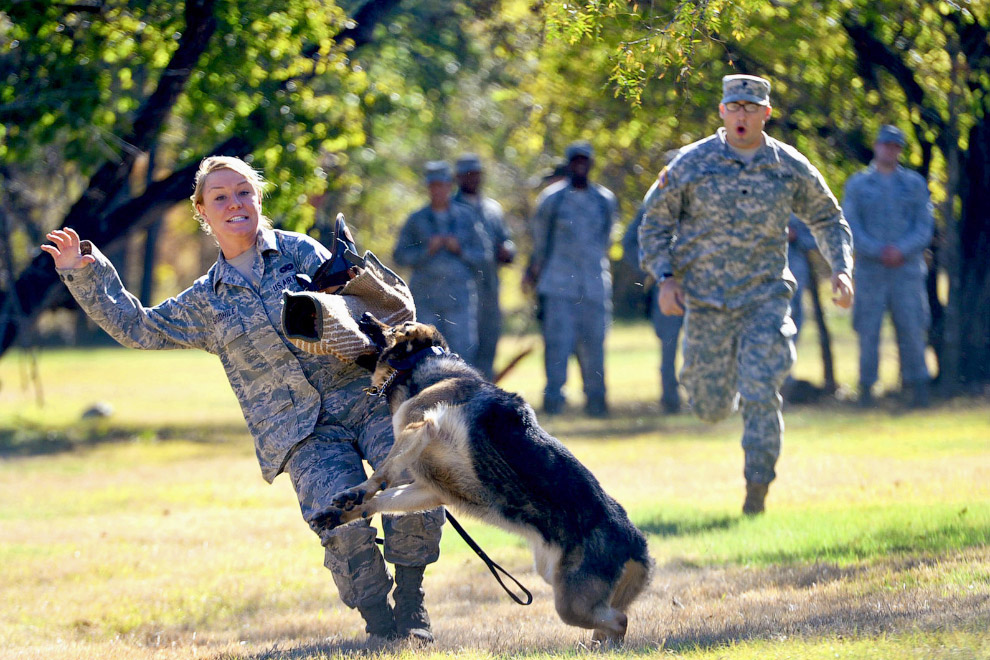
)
(408, 363)
(403, 365)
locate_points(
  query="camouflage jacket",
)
(720, 224)
(283, 391)
(443, 275)
(889, 210)
(572, 233)
(492, 217)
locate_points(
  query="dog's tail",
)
(634, 578)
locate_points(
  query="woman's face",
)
(232, 208)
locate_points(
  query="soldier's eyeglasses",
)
(748, 108)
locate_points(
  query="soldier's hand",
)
(842, 287)
(436, 244)
(453, 245)
(891, 257)
(671, 299)
(67, 251)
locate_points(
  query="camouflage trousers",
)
(574, 327)
(902, 292)
(489, 326)
(667, 329)
(741, 355)
(329, 461)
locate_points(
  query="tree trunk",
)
(974, 264)
(35, 289)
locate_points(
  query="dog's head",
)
(397, 344)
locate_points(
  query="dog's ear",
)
(374, 329)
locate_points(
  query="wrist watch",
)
(663, 277)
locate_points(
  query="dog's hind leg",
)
(583, 600)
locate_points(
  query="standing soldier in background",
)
(503, 251)
(890, 213)
(800, 242)
(667, 327)
(715, 236)
(571, 236)
(444, 245)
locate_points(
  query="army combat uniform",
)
(890, 209)
(571, 237)
(445, 285)
(489, 313)
(719, 223)
(307, 413)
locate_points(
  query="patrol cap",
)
(468, 163)
(579, 148)
(741, 87)
(890, 133)
(438, 171)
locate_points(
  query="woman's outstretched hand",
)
(67, 251)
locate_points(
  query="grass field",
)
(150, 534)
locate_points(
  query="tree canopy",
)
(340, 103)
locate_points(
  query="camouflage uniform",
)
(719, 224)
(575, 283)
(307, 414)
(445, 285)
(489, 312)
(892, 209)
(667, 327)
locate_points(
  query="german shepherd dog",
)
(461, 441)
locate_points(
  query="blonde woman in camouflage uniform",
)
(715, 235)
(307, 413)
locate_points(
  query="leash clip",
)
(381, 389)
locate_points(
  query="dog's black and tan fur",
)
(469, 445)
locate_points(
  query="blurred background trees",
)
(106, 107)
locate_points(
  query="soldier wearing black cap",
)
(890, 212)
(571, 236)
(500, 251)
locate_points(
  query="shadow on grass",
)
(27, 441)
(669, 527)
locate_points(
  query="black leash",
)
(492, 566)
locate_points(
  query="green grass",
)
(152, 535)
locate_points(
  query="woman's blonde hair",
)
(211, 164)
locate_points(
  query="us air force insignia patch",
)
(662, 178)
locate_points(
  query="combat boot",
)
(411, 618)
(865, 400)
(755, 496)
(379, 619)
(920, 395)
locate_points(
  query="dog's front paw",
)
(349, 499)
(329, 519)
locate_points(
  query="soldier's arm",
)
(922, 222)
(180, 322)
(816, 205)
(411, 249)
(540, 224)
(630, 240)
(866, 245)
(661, 214)
(505, 247)
(473, 241)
